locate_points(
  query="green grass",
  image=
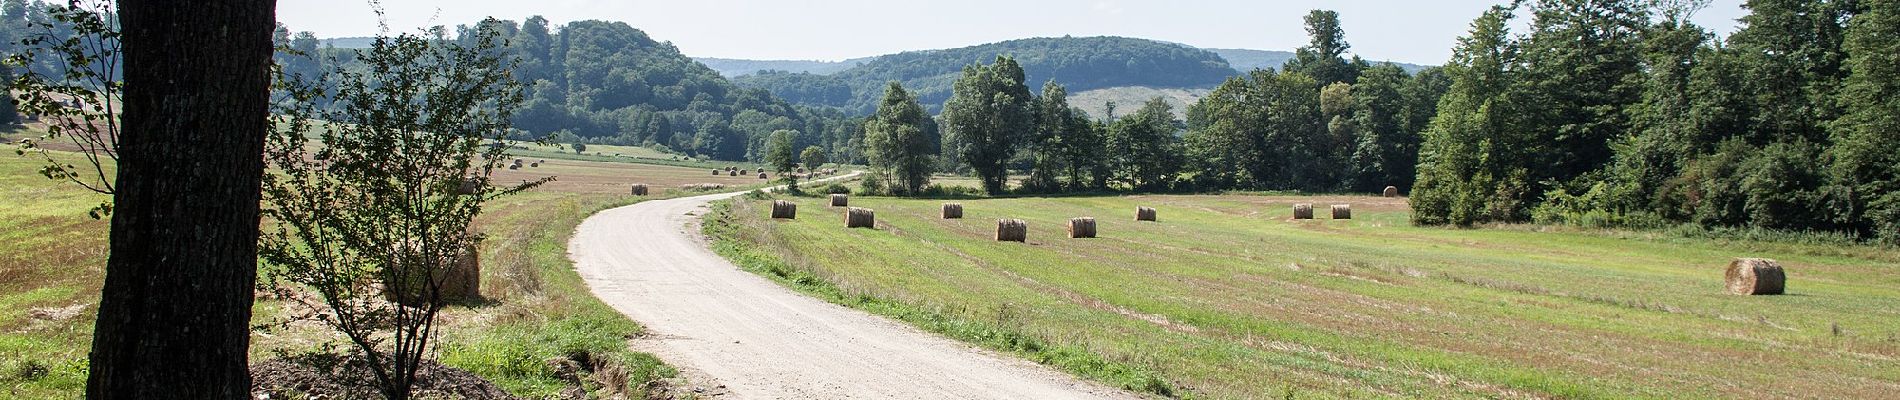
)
(52, 256)
(1226, 298)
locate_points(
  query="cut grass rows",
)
(1226, 297)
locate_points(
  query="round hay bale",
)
(840, 200)
(1302, 211)
(744, 172)
(1756, 276)
(1342, 211)
(732, 173)
(952, 211)
(639, 189)
(534, 165)
(1145, 214)
(469, 186)
(1391, 191)
(463, 280)
(801, 170)
(860, 218)
(460, 281)
(782, 209)
(1083, 227)
(716, 172)
(514, 166)
(762, 175)
(1012, 230)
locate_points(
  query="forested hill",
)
(606, 82)
(1080, 63)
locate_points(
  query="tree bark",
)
(175, 312)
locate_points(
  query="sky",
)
(1412, 31)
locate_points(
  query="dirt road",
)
(763, 341)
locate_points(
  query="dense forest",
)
(1624, 113)
(1078, 63)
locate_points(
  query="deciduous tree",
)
(989, 115)
(175, 311)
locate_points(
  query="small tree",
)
(580, 148)
(80, 103)
(895, 143)
(778, 154)
(380, 205)
(813, 157)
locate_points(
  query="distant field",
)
(1226, 297)
(1128, 99)
(621, 154)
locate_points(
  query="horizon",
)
(834, 31)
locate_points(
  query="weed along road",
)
(760, 340)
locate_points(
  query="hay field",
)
(1226, 297)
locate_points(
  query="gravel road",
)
(747, 337)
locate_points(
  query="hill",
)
(733, 68)
(1080, 63)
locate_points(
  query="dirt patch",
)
(325, 376)
(57, 314)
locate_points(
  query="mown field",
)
(1226, 297)
(52, 259)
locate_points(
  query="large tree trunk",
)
(175, 312)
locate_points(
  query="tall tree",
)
(1384, 152)
(1324, 57)
(1262, 132)
(1146, 150)
(1793, 66)
(1462, 176)
(1663, 128)
(895, 142)
(1076, 141)
(1869, 133)
(1581, 73)
(1065, 149)
(175, 311)
(989, 115)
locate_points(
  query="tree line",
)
(1327, 123)
(1624, 113)
(1079, 63)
